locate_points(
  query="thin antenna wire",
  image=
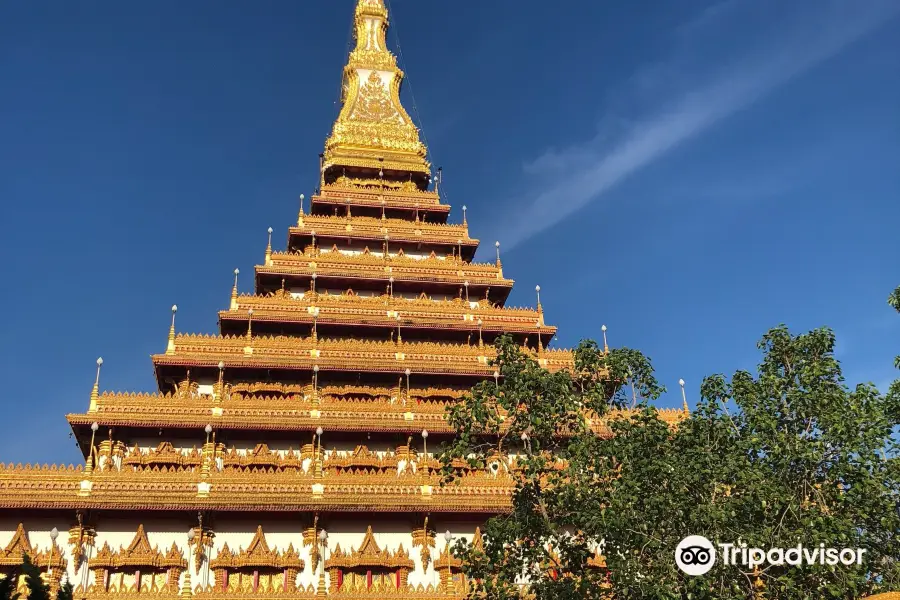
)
(350, 33)
(421, 124)
(396, 31)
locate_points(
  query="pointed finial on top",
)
(95, 391)
(683, 396)
(497, 246)
(269, 248)
(170, 345)
(464, 215)
(234, 290)
(540, 308)
(605, 345)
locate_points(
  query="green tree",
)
(8, 587)
(786, 455)
(37, 589)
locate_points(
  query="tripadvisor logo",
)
(696, 555)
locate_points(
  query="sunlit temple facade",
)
(292, 454)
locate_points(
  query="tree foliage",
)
(785, 455)
(8, 587)
(37, 588)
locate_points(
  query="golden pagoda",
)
(288, 456)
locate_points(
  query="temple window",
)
(139, 568)
(51, 561)
(368, 569)
(256, 570)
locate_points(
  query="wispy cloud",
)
(766, 58)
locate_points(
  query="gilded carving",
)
(423, 538)
(368, 568)
(258, 569)
(50, 560)
(138, 568)
(373, 102)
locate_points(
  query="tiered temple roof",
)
(372, 319)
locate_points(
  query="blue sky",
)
(688, 173)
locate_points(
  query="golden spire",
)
(684, 397)
(300, 214)
(170, 346)
(95, 391)
(373, 131)
(269, 248)
(540, 309)
(248, 349)
(234, 291)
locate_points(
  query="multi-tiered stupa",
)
(288, 456)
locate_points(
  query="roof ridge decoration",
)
(373, 131)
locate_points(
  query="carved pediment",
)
(262, 456)
(165, 454)
(258, 554)
(20, 545)
(369, 555)
(17, 546)
(139, 553)
(361, 457)
(477, 540)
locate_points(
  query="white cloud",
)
(622, 147)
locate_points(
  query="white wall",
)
(348, 530)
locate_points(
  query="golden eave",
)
(373, 229)
(283, 352)
(340, 195)
(389, 412)
(383, 311)
(376, 267)
(174, 489)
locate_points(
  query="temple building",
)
(292, 453)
